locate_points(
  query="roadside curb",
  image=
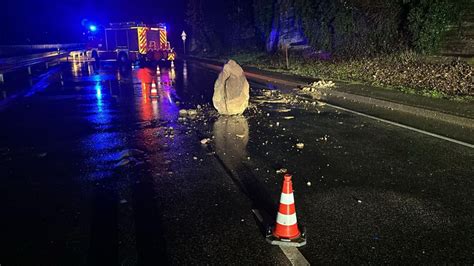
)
(442, 123)
(327, 94)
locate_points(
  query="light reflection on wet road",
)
(114, 177)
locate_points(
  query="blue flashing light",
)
(92, 27)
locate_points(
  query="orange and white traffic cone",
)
(153, 91)
(286, 231)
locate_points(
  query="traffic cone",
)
(286, 231)
(153, 91)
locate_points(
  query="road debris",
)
(282, 171)
(130, 157)
(283, 110)
(123, 162)
(188, 112)
(322, 84)
(130, 153)
(205, 141)
(300, 145)
(323, 138)
(42, 155)
(192, 112)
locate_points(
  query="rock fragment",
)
(282, 171)
(205, 141)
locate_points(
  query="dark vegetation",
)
(412, 73)
(383, 42)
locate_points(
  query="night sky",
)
(55, 21)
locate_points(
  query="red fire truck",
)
(131, 41)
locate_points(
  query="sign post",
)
(183, 37)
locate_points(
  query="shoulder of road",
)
(447, 118)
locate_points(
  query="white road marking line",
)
(404, 126)
(294, 256)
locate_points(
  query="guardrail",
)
(16, 50)
(13, 63)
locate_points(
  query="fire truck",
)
(131, 41)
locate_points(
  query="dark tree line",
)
(344, 27)
(221, 26)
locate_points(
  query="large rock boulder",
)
(231, 90)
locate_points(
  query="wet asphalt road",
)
(95, 172)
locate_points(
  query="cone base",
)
(289, 238)
(295, 242)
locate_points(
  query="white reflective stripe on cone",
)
(287, 199)
(284, 219)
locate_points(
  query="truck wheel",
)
(162, 55)
(122, 57)
(95, 55)
(150, 55)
